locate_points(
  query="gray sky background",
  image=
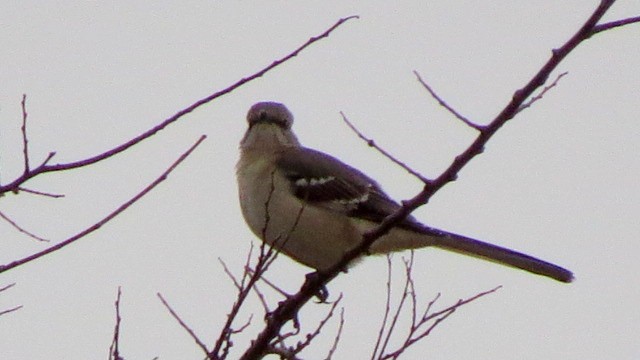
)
(559, 182)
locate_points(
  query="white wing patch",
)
(355, 201)
(314, 181)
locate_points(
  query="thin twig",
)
(416, 333)
(107, 218)
(21, 229)
(272, 285)
(535, 98)
(4, 288)
(25, 140)
(262, 298)
(433, 301)
(444, 104)
(399, 308)
(614, 24)
(387, 309)
(245, 275)
(267, 255)
(114, 350)
(243, 327)
(462, 302)
(3, 312)
(226, 270)
(7, 287)
(336, 339)
(312, 335)
(183, 324)
(42, 193)
(249, 280)
(248, 272)
(386, 154)
(270, 249)
(222, 343)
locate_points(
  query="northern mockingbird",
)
(313, 207)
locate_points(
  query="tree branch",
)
(288, 309)
(44, 168)
(109, 217)
(614, 24)
(25, 140)
(114, 349)
(445, 105)
(385, 153)
(183, 324)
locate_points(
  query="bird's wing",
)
(321, 180)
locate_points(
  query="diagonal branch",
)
(614, 24)
(109, 217)
(445, 105)
(44, 168)
(288, 309)
(542, 93)
(183, 324)
(21, 229)
(15, 308)
(385, 153)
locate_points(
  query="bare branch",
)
(249, 279)
(542, 93)
(288, 309)
(614, 24)
(41, 193)
(183, 324)
(243, 327)
(4, 288)
(109, 217)
(444, 104)
(114, 351)
(21, 229)
(462, 302)
(279, 346)
(431, 321)
(246, 276)
(336, 339)
(421, 326)
(235, 281)
(437, 317)
(272, 285)
(3, 312)
(25, 141)
(147, 134)
(222, 343)
(7, 287)
(270, 248)
(372, 143)
(387, 310)
(267, 255)
(262, 298)
(309, 338)
(399, 308)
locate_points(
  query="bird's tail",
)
(498, 254)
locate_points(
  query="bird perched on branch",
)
(314, 208)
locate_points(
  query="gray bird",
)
(314, 208)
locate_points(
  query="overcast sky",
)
(559, 182)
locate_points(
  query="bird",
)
(314, 208)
